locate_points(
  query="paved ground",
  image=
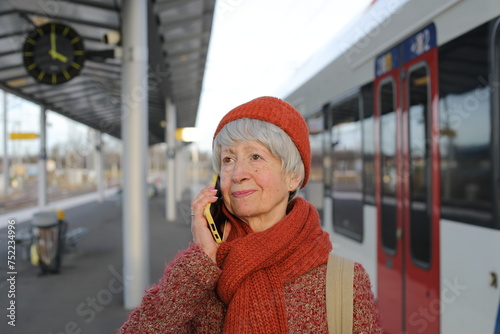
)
(87, 296)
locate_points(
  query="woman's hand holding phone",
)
(213, 213)
(200, 229)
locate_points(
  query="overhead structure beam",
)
(156, 58)
(73, 20)
(186, 38)
(46, 94)
(93, 4)
(8, 53)
(184, 21)
(166, 5)
(11, 67)
(8, 12)
(189, 51)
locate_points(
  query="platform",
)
(87, 295)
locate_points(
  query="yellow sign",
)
(14, 136)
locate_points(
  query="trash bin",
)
(48, 241)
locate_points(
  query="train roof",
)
(343, 40)
(347, 61)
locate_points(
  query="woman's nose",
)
(240, 172)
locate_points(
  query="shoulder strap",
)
(339, 294)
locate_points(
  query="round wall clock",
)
(53, 53)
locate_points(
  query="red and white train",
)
(404, 114)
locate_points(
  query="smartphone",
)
(213, 213)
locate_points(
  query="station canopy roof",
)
(178, 33)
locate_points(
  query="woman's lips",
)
(242, 193)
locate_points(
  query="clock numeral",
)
(65, 31)
(78, 53)
(28, 54)
(40, 32)
(54, 79)
(75, 65)
(31, 41)
(75, 40)
(31, 66)
(41, 75)
(66, 75)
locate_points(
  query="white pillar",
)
(179, 166)
(42, 160)
(135, 148)
(171, 183)
(194, 166)
(6, 176)
(98, 165)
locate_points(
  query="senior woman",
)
(269, 273)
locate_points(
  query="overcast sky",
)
(257, 45)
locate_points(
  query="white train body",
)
(404, 114)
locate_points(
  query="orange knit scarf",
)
(255, 267)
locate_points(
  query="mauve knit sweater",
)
(185, 301)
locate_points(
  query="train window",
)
(388, 165)
(368, 144)
(314, 189)
(327, 159)
(419, 165)
(347, 165)
(466, 129)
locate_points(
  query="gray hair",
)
(271, 136)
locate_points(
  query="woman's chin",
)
(242, 213)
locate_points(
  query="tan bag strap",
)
(339, 294)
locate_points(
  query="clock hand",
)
(52, 50)
(62, 58)
(58, 56)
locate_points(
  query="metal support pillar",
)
(6, 175)
(42, 161)
(98, 165)
(179, 165)
(171, 183)
(135, 147)
(195, 157)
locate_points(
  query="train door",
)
(421, 186)
(388, 192)
(408, 185)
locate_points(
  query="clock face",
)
(53, 53)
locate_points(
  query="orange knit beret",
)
(281, 114)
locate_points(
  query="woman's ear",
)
(294, 183)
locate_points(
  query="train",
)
(403, 109)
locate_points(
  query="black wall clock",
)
(53, 53)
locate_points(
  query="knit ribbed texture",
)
(256, 266)
(184, 304)
(281, 114)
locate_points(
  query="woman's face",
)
(254, 187)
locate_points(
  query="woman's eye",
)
(256, 157)
(226, 160)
